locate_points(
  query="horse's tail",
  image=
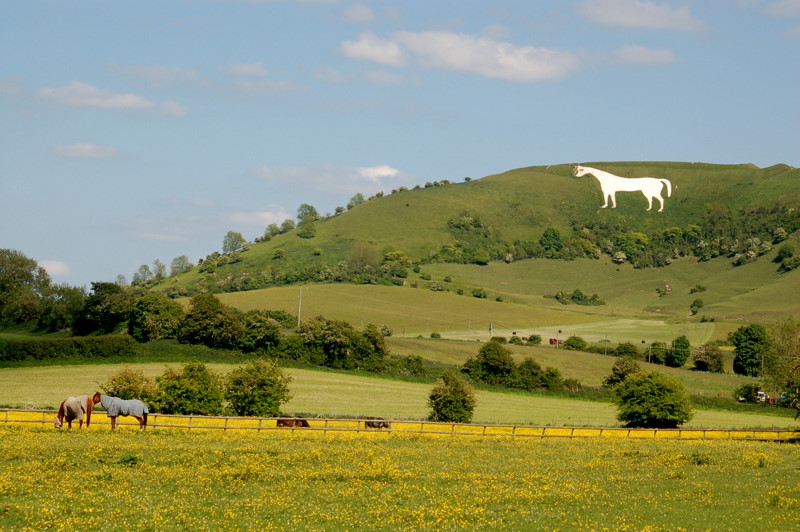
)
(669, 186)
(144, 418)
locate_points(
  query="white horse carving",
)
(611, 184)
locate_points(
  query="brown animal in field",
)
(73, 408)
(376, 423)
(292, 422)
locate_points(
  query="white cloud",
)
(245, 69)
(785, 8)
(487, 57)
(359, 13)
(640, 55)
(375, 173)
(79, 94)
(368, 47)
(85, 151)
(639, 14)
(336, 179)
(55, 268)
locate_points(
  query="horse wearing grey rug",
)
(123, 407)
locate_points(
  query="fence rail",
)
(12, 417)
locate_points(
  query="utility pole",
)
(299, 305)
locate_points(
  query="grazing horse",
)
(611, 184)
(73, 408)
(376, 423)
(292, 422)
(123, 407)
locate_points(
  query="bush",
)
(652, 400)
(493, 365)
(708, 357)
(68, 348)
(154, 317)
(626, 349)
(529, 375)
(257, 389)
(622, 368)
(193, 390)
(130, 384)
(679, 354)
(516, 340)
(747, 392)
(452, 399)
(436, 336)
(575, 343)
(552, 379)
(534, 339)
(211, 323)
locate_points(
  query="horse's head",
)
(96, 398)
(580, 171)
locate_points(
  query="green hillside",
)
(444, 229)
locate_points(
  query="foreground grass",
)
(277, 481)
(333, 394)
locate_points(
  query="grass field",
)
(331, 394)
(97, 480)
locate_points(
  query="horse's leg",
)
(613, 200)
(141, 423)
(661, 201)
(649, 200)
(113, 422)
(606, 195)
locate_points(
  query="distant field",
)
(332, 394)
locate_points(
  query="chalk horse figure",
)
(651, 187)
(123, 407)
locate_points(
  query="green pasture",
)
(333, 394)
(170, 480)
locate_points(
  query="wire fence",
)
(20, 417)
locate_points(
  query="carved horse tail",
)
(669, 186)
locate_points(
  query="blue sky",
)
(136, 131)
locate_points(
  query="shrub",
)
(552, 379)
(193, 390)
(652, 400)
(626, 349)
(480, 293)
(749, 341)
(534, 339)
(622, 368)
(575, 343)
(516, 340)
(492, 365)
(529, 375)
(708, 357)
(436, 336)
(130, 384)
(747, 392)
(154, 317)
(257, 389)
(452, 399)
(498, 339)
(679, 354)
(211, 323)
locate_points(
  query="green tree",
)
(232, 242)
(622, 368)
(193, 390)
(551, 242)
(307, 214)
(129, 383)
(211, 323)
(180, 265)
(258, 388)
(708, 357)
(452, 399)
(60, 306)
(159, 270)
(696, 305)
(22, 283)
(154, 317)
(782, 360)
(287, 225)
(142, 275)
(342, 346)
(262, 333)
(749, 343)
(575, 343)
(530, 374)
(104, 310)
(357, 199)
(652, 400)
(679, 354)
(307, 230)
(493, 365)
